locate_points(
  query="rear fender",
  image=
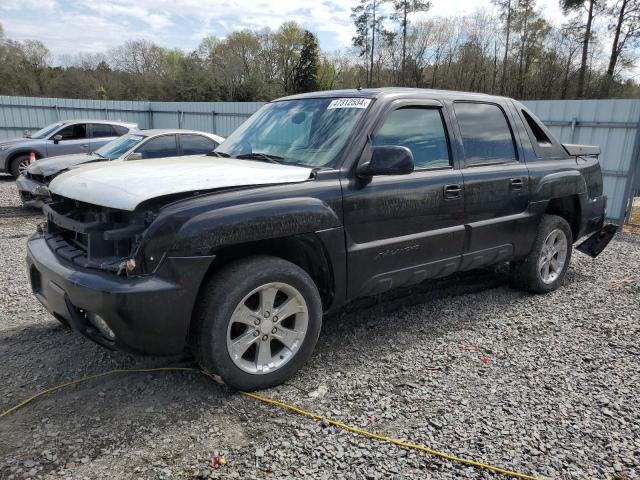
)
(559, 185)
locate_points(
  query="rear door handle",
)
(85, 145)
(452, 191)
(516, 183)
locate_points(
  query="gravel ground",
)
(546, 385)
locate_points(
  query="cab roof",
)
(91, 120)
(391, 93)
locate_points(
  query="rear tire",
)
(237, 330)
(19, 165)
(544, 268)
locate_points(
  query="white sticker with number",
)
(349, 103)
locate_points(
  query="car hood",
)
(15, 140)
(125, 184)
(54, 165)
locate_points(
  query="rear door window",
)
(196, 144)
(102, 130)
(159, 147)
(486, 134)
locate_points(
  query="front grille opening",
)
(93, 236)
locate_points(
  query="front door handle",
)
(516, 183)
(85, 145)
(452, 191)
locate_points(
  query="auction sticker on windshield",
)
(349, 103)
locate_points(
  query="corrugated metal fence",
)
(612, 124)
(27, 113)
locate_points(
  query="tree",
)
(367, 22)
(531, 29)
(459, 53)
(505, 15)
(289, 40)
(402, 9)
(626, 14)
(306, 79)
(576, 5)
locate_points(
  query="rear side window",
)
(159, 147)
(196, 144)
(120, 130)
(101, 130)
(419, 129)
(74, 132)
(541, 138)
(542, 141)
(486, 136)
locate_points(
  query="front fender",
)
(10, 154)
(249, 222)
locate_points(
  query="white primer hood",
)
(125, 184)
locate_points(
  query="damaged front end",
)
(83, 267)
(92, 236)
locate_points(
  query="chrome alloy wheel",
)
(23, 165)
(267, 328)
(553, 256)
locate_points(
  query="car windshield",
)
(308, 132)
(119, 146)
(46, 131)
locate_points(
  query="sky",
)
(68, 27)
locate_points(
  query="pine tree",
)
(402, 9)
(573, 5)
(306, 79)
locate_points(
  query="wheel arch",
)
(569, 208)
(307, 251)
(23, 151)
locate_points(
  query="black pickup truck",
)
(314, 201)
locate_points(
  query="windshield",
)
(309, 132)
(46, 131)
(119, 146)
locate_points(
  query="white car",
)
(33, 184)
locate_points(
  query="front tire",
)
(257, 322)
(544, 268)
(19, 165)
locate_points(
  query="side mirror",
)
(387, 160)
(26, 133)
(57, 138)
(135, 156)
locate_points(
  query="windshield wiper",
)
(213, 153)
(260, 156)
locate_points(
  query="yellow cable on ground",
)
(394, 441)
(90, 377)
(292, 408)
